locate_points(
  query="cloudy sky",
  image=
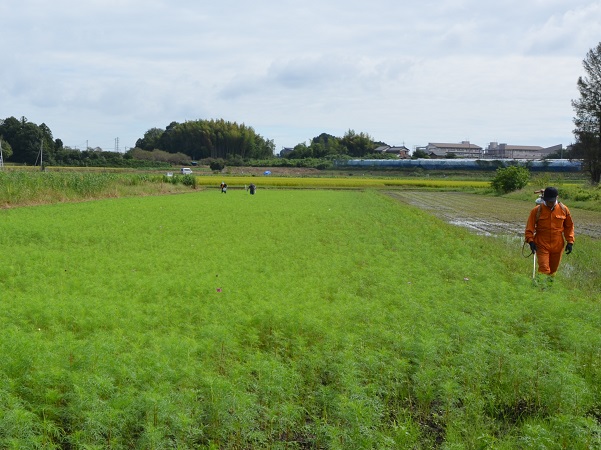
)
(404, 72)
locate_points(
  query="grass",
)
(288, 319)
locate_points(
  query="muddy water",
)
(489, 215)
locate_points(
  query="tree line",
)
(351, 145)
(25, 142)
(178, 144)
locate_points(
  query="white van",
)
(186, 171)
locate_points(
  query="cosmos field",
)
(289, 319)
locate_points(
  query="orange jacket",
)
(552, 226)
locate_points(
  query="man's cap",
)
(550, 193)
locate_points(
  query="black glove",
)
(569, 248)
(532, 246)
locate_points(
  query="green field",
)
(292, 319)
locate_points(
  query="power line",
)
(113, 146)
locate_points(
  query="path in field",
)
(488, 215)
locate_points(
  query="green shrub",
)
(509, 179)
(217, 164)
(189, 180)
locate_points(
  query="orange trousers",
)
(549, 250)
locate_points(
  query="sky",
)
(100, 73)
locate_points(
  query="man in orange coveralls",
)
(548, 224)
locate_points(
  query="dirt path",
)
(488, 215)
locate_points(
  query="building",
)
(462, 150)
(401, 152)
(530, 152)
(285, 151)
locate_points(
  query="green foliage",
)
(160, 156)
(580, 194)
(217, 164)
(68, 157)
(303, 332)
(542, 180)
(419, 153)
(315, 163)
(7, 150)
(509, 179)
(189, 180)
(324, 165)
(383, 155)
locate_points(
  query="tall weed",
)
(19, 188)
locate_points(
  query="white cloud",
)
(402, 72)
(565, 31)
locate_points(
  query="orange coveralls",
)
(548, 234)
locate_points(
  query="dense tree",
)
(25, 139)
(588, 115)
(320, 147)
(357, 145)
(27, 144)
(419, 153)
(327, 146)
(8, 132)
(151, 139)
(200, 139)
(300, 151)
(9, 127)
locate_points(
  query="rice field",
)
(292, 319)
(340, 182)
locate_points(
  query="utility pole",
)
(42, 155)
(116, 144)
(1, 157)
